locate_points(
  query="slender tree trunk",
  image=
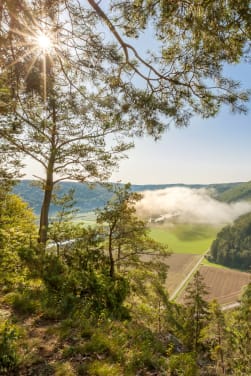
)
(49, 184)
(222, 363)
(44, 215)
(111, 256)
(119, 256)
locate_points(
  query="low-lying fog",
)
(186, 205)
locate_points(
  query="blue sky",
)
(215, 150)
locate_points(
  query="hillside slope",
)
(238, 192)
(88, 199)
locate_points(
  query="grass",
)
(181, 238)
(185, 238)
(88, 218)
(208, 263)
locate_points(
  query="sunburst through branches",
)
(44, 42)
(33, 44)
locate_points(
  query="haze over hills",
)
(90, 198)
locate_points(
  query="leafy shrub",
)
(24, 303)
(183, 365)
(8, 348)
(63, 369)
(80, 278)
(103, 368)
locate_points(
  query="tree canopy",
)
(181, 74)
(76, 82)
(232, 247)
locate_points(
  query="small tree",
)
(215, 338)
(240, 335)
(127, 239)
(61, 229)
(196, 312)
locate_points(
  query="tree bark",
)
(49, 184)
(111, 256)
(44, 215)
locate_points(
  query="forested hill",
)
(238, 192)
(88, 199)
(232, 247)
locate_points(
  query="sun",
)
(43, 42)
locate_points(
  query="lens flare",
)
(44, 42)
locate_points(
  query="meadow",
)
(188, 242)
(185, 238)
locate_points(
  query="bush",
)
(8, 348)
(24, 303)
(75, 281)
(183, 365)
(64, 369)
(103, 368)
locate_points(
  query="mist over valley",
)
(188, 205)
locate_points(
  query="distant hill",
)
(238, 192)
(88, 199)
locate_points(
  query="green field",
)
(88, 218)
(181, 238)
(185, 238)
(205, 262)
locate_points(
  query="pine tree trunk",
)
(112, 271)
(44, 216)
(49, 184)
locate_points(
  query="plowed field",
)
(179, 267)
(225, 285)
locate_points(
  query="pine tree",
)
(196, 311)
(240, 335)
(128, 242)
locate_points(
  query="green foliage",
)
(196, 313)
(17, 230)
(103, 368)
(215, 338)
(104, 88)
(184, 364)
(240, 341)
(148, 353)
(25, 303)
(17, 221)
(128, 243)
(80, 276)
(8, 348)
(126, 346)
(232, 246)
(63, 369)
(61, 228)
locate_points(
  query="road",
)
(186, 279)
(230, 306)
